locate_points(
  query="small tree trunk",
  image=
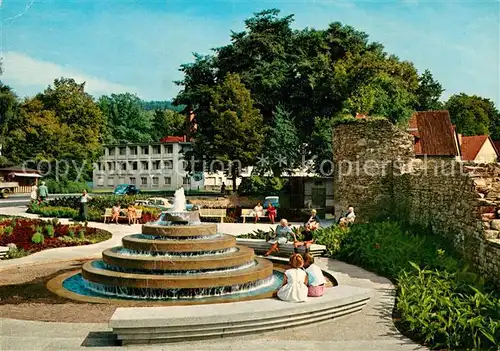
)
(235, 175)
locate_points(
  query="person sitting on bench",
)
(307, 237)
(348, 218)
(281, 235)
(115, 213)
(313, 220)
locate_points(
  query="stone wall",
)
(365, 153)
(455, 200)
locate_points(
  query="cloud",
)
(27, 74)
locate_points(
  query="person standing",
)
(84, 209)
(34, 193)
(223, 189)
(43, 191)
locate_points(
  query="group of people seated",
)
(116, 210)
(302, 280)
(284, 233)
(258, 212)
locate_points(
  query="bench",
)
(248, 213)
(261, 246)
(108, 213)
(213, 212)
(4, 250)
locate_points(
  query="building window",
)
(156, 181)
(144, 181)
(156, 149)
(144, 165)
(111, 166)
(168, 164)
(100, 181)
(112, 151)
(123, 166)
(168, 180)
(133, 150)
(134, 166)
(186, 181)
(145, 150)
(123, 151)
(156, 165)
(132, 180)
(121, 180)
(111, 181)
(169, 149)
(318, 182)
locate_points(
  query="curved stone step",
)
(180, 230)
(221, 242)
(262, 270)
(242, 256)
(167, 324)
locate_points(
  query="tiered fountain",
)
(176, 258)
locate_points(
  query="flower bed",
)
(33, 235)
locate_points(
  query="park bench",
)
(261, 246)
(108, 213)
(4, 250)
(248, 213)
(214, 213)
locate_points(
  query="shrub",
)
(71, 233)
(8, 230)
(261, 185)
(54, 221)
(81, 234)
(14, 252)
(66, 187)
(441, 302)
(438, 308)
(37, 238)
(49, 229)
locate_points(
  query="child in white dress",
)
(294, 287)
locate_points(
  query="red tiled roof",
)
(434, 133)
(471, 145)
(173, 139)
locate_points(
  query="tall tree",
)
(310, 73)
(473, 115)
(167, 122)
(282, 148)
(9, 109)
(61, 124)
(127, 120)
(428, 93)
(230, 134)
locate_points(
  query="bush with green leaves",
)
(71, 233)
(37, 238)
(441, 309)
(442, 303)
(81, 234)
(49, 229)
(66, 187)
(261, 185)
(8, 230)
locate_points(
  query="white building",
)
(158, 165)
(148, 166)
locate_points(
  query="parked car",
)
(273, 200)
(126, 189)
(159, 202)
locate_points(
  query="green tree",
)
(231, 131)
(61, 124)
(9, 109)
(167, 122)
(126, 118)
(428, 93)
(473, 115)
(282, 148)
(310, 73)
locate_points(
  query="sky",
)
(118, 46)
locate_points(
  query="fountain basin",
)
(262, 270)
(218, 243)
(242, 255)
(179, 230)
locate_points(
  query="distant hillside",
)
(161, 105)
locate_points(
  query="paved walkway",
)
(371, 329)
